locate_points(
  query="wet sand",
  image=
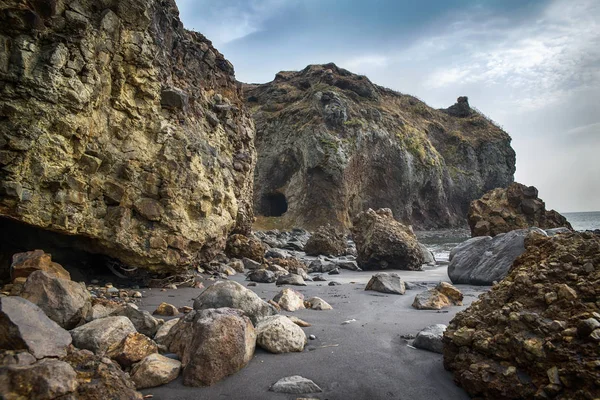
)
(367, 359)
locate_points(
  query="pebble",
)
(137, 295)
(312, 337)
(349, 321)
(334, 283)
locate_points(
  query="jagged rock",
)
(240, 246)
(261, 276)
(166, 309)
(290, 264)
(326, 241)
(347, 264)
(155, 370)
(237, 265)
(278, 334)
(289, 300)
(45, 379)
(164, 330)
(461, 109)
(150, 157)
(132, 349)
(233, 295)
(23, 264)
(428, 256)
(521, 339)
(430, 338)
(331, 143)
(317, 303)
(386, 283)
(142, 320)
(212, 344)
(382, 242)
(295, 385)
(516, 207)
(290, 279)
(24, 326)
(65, 302)
(103, 308)
(320, 265)
(483, 260)
(251, 264)
(102, 334)
(443, 295)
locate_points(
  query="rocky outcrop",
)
(516, 207)
(332, 144)
(326, 241)
(382, 242)
(536, 333)
(122, 130)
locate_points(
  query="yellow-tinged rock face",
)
(119, 126)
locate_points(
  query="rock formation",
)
(332, 144)
(536, 333)
(122, 130)
(516, 207)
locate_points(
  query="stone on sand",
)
(430, 338)
(386, 283)
(290, 279)
(155, 370)
(295, 385)
(261, 276)
(443, 295)
(166, 310)
(289, 299)
(278, 334)
(317, 303)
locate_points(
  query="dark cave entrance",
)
(274, 204)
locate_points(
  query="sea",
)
(441, 242)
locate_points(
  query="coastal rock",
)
(442, 296)
(132, 349)
(430, 338)
(386, 283)
(290, 264)
(326, 241)
(516, 207)
(129, 139)
(166, 310)
(164, 330)
(212, 344)
(240, 246)
(331, 144)
(24, 326)
(295, 385)
(290, 279)
(65, 302)
(347, 264)
(382, 242)
(102, 334)
(301, 323)
(528, 337)
(278, 334)
(155, 370)
(484, 260)
(428, 256)
(321, 265)
(233, 295)
(289, 300)
(251, 264)
(261, 276)
(317, 303)
(45, 379)
(23, 264)
(142, 320)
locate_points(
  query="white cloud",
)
(366, 61)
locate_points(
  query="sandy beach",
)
(366, 359)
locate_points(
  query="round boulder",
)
(278, 334)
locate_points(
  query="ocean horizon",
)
(582, 221)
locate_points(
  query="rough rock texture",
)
(132, 349)
(289, 299)
(24, 326)
(23, 264)
(233, 295)
(166, 309)
(386, 283)
(317, 303)
(442, 296)
(326, 240)
(295, 385)
(262, 276)
(122, 128)
(382, 242)
(45, 379)
(516, 207)
(278, 334)
(102, 334)
(212, 344)
(142, 320)
(290, 279)
(155, 370)
(332, 144)
(430, 338)
(164, 330)
(240, 246)
(65, 302)
(535, 334)
(483, 260)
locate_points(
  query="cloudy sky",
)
(532, 66)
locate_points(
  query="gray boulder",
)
(261, 276)
(321, 265)
(482, 260)
(233, 295)
(430, 338)
(142, 320)
(102, 334)
(65, 302)
(24, 326)
(251, 264)
(295, 385)
(347, 264)
(386, 283)
(428, 257)
(290, 279)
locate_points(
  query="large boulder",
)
(536, 333)
(382, 242)
(155, 370)
(278, 334)
(23, 264)
(212, 344)
(103, 334)
(386, 283)
(484, 260)
(24, 326)
(233, 295)
(66, 302)
(46, 379)
(240, 246)
(128, 139)
(516, 207)
(326, 240)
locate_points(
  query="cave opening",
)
(274, 205)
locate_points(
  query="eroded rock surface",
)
(326, 241)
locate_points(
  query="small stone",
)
(317, 303)
(587, 326)
(137, 295)
(348, 321)
(312, 337)
(430, 338)
(333, 283)
(166, 310)
(295, 385)
(565, 292)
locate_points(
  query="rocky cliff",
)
(332, 144)
(122, 130)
